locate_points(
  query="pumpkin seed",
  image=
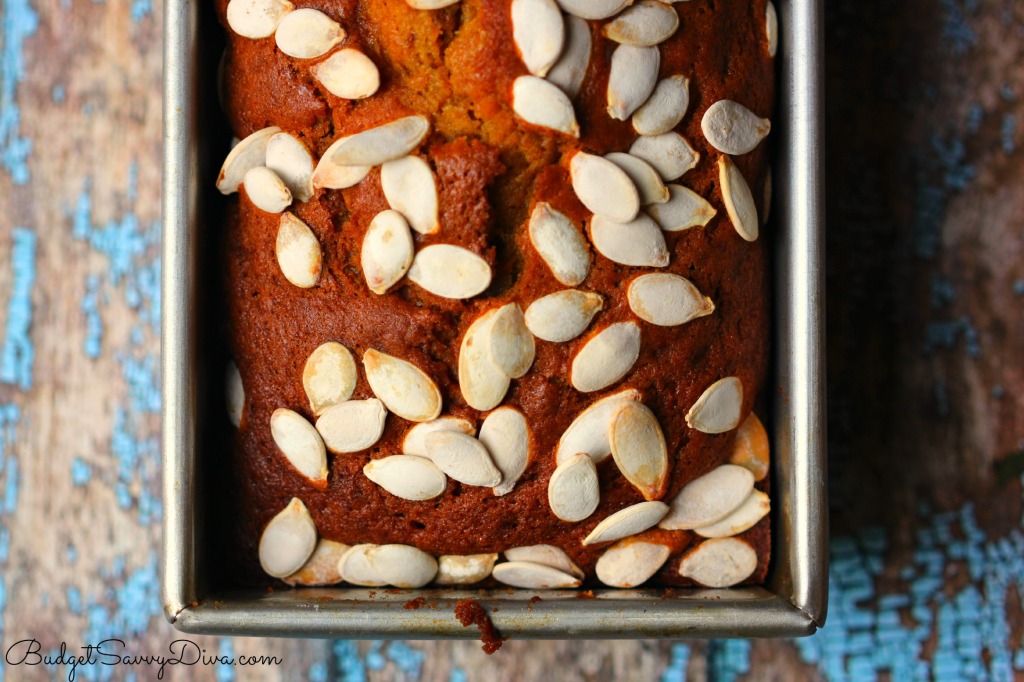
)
(667, 300)
(631, 79)
(348, 73)
(409, 187)
(563, 315)
(626, 522)
(307, 33)
(526, 575)
(604, 188)
(288, 540)
(631, 562)
(669, 153)
(462, 457)
(298, 252)
(574, 490)
(301, 445)
(588, 432)
(507, 438)
(541, 103)
(739, 202)
(683, 210)
(407, 476)
(538, 32)
(606, 357)
(719, 563)
(352, 426)
(266, 190)
(638, 447)
(329, 376)
(665, 108)
(403, 387)
(450, 271)
(731, 128)
(709, 498)
(718, 408)
(559, 244)
(293, 163)
(387, 251)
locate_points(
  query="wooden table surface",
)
(926, 365)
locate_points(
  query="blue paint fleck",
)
(956, 30)
(141, 9)
(19, 22)
(18, 353)
(1009, 132)
(143, 381)
(944, 335)
(90, 306)
(58, 94)
(458, 675)
(1018, 287)
(942, 292)
(975, 114)
(74, 597)
(71, 553)
(10, 415)
(866, 637)
(133, 262)
(350, 665)
(225, 651)
(81, 472)
(728, 659)
(124, 611)
(676, 669)
(407, 659)
(317, 672)
(1007, 93)
(375, 660)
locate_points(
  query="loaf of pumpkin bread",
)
(498, 305)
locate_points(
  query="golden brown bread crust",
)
(456, 66)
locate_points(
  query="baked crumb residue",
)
(470, 612)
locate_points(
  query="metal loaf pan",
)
(794, 601)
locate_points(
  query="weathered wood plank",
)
(926, 282)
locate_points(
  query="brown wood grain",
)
(910, 421)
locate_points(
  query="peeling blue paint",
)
(142, 377)
(942, 292)
(349, 663)
(58, 94)
(866, 635)
(226, 651)
(90, 306)
(18, 353)
(956, 30)
(944, 335)
(81, 472)
(20, 22)
(458, 675)
(133, 264)
(728, 659)
(317, 672)
(10, 415)
(123, 611)
(676, 669)
(1009, 132)
(407, 659)
(141, 9)
(975, 115)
